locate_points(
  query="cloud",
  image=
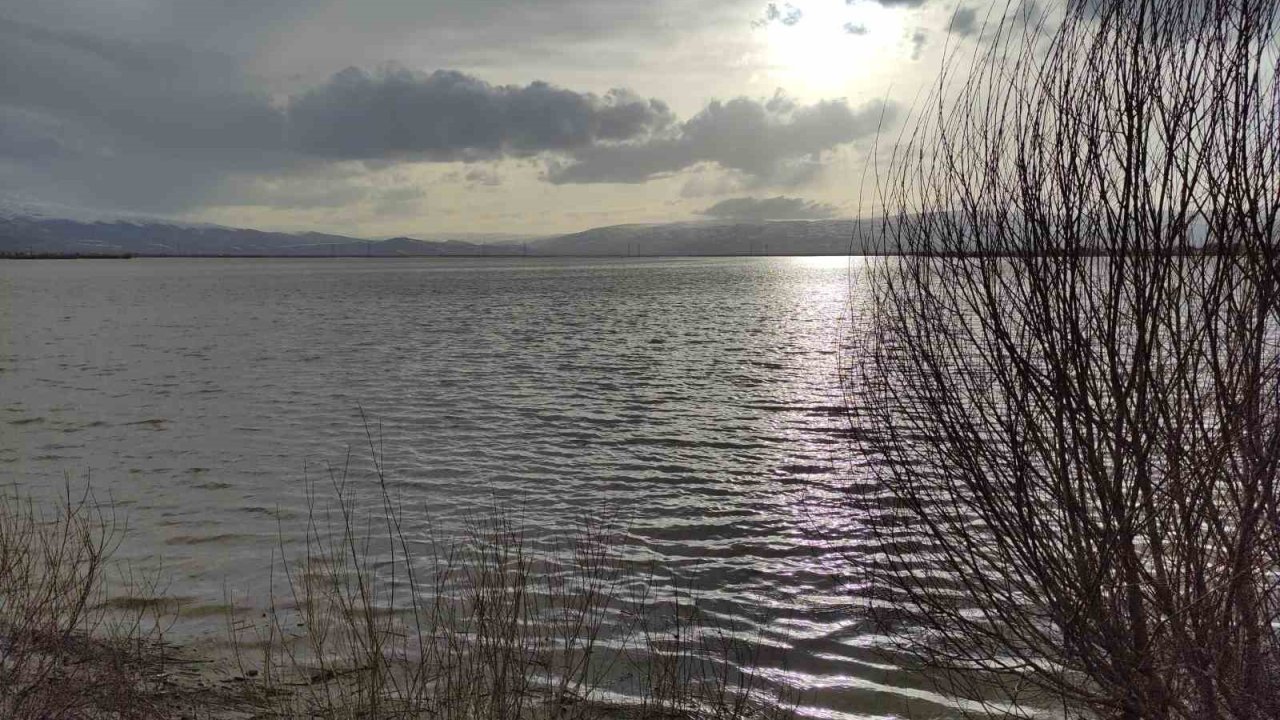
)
(153, 94)
(27, 135)
(331, 186)
(448, 115)
(488, 177)
(277, 26)
(989, 24)
(788, 15)
(106, 122)
(774, 208)
(964, 22)
(776, 140)
(101, 120)
(712, 183)
(918, 39)
(156, 127)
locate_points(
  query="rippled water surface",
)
(697, 396)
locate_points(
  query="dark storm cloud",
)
(448, 115)
(774, 140)
(774, 208)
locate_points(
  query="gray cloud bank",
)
(619, 137)
(160, 127)
(774, 208)
(447, 115)
(776, 140)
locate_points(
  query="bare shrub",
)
(65, 651)
(1067, 385)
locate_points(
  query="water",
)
(700, 397)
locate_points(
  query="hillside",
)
(783, 237)
(26, 231)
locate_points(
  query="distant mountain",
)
(56, 235)
(483, 238)
(781, 237)
(24, 229)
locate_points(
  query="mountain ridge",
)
(39, 233)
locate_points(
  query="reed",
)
(370, 618)
(374, 619)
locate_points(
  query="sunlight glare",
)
(835, 47)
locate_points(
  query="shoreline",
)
(490, 626)
(66, 256)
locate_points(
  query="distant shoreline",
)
(65, 256)
(234, 256)
(469, 256)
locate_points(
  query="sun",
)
(833, 48)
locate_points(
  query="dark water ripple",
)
(697, 397)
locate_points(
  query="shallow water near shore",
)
(697, 398)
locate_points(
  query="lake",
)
(699, 398)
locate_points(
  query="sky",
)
(427, 117)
